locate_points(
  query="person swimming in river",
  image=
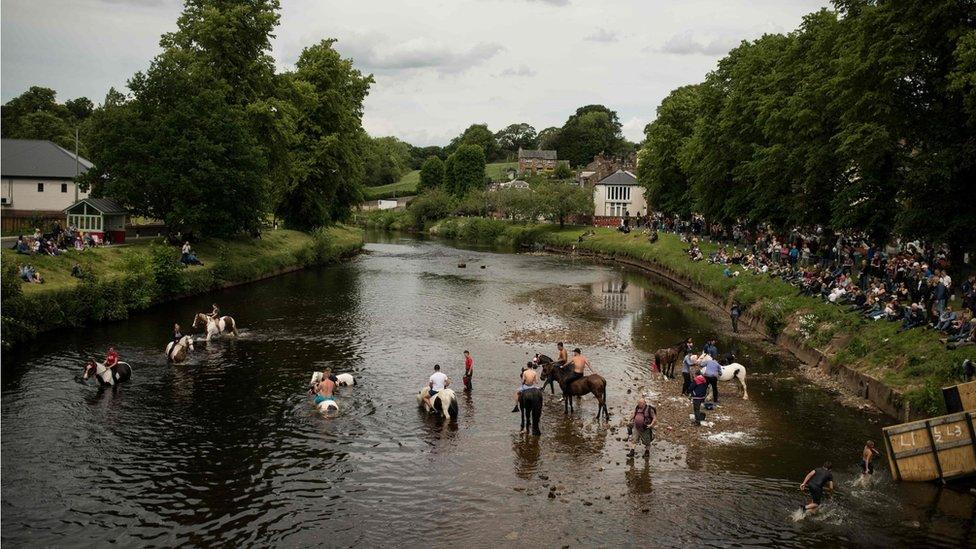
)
(528, 377)
(816, 482)
(868, 454)
(325, 388)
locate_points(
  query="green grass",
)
(407, 185)
(914, 363)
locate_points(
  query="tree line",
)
(862, 119)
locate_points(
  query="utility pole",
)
(76, 164)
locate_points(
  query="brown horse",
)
(665, 358)
(593, 383)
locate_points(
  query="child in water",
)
(869, 453)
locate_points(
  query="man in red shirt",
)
(468, 370)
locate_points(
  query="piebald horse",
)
(177, 351)
(730, 371)
(107, 377)
(445, 399)
(329, 404)
(215, 327)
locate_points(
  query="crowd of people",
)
(56, 242)
(908, 283)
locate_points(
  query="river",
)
(227, 450)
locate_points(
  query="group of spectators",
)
(907, 283)
(55, 242)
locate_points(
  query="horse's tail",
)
(452, 409)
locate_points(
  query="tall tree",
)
(516, 136)
(466, 170)
(431, 174)
(660, 170)
(477, 134)
(591, 130)
(560, 200)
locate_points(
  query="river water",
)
(228, 450)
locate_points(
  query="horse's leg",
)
(742, 380)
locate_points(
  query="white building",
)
(38, 178)
(615, 196)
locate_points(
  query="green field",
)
(407, 185)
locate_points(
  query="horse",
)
(107, 377)
(732, 370)
(443, 399)
(593, 383)
(215, 327)
(530, 403)
(341, 380)
(182, 348)
(665, 358)
(541, 360)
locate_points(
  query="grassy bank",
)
(913, 363)
(120, 279)
(407, 185)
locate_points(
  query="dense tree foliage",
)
(591, 130)
(464, 170)
(212, 140)
(480, 135)
(861, 119)
(36, 114)
(559, 200)
(431, 174)
(386, 160)
(513, 137)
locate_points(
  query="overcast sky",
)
(440, 65)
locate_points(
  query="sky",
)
(439, 65)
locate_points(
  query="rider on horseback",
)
(215, 314)
(579, 363)
(528, 378)
(438, 382)
(177, 336)
(323, 389)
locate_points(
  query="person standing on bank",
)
(699, 390)
(735, 312)
(712, 371)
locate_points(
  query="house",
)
(616, 196)
(536, 161)
(601, 166)
(99, 216)
(37, 181)
(514, 184)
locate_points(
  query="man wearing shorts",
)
(438, 382)
(816, 481)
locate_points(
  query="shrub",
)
(431, 206)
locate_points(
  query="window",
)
(64, 187)
(618, 193)
(40, 187)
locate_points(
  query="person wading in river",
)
(642, 421)
(869, 453)
(528, 378)
(815, 482)
(468, 370)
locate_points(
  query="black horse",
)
(542, 360)
(530, 403)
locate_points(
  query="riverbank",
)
(125, 278)
(901, 373)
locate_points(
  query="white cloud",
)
(686, 43)
(440, 65)
(602, 35)
(521, 70)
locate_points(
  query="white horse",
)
(731, 371)
(445, 399)
(107, 377)
(183, 346)
(215, 327)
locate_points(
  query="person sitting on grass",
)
(187, 257)
(946, 319)
(29, 274)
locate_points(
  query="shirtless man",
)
(869, 453)
(579, 364)
(561, 360)
(324, 388)
(528, 382)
